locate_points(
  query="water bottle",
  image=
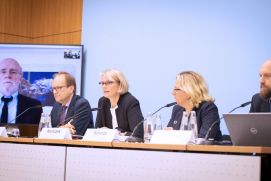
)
(45, 122)
(193, 124)
(158, 123)
(184, 124)
(148, 128)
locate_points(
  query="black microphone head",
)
(242, 105)
(95, 109)
(245, 104)
(171, 104)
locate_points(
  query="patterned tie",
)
(62, 115)
(4, 116)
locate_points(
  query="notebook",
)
(26, 130)
(249, 129)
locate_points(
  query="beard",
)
(265, 92)
(9, 90)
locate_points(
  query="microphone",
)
(132, 138)
(19, 115)
(242, 105)
(81, 112)
(167, 105)
(95, 109)
(71, 118)
(208, 142)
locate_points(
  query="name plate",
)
(3, 132)
(55, 133)
(103, 135)
(176, 137)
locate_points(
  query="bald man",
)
(261, 101)
(14, 104)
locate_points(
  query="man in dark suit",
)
(14, 105)
(261, 101)
(70, 110)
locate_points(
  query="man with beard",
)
(261, 102)
(14, 105)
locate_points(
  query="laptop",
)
(25, 130)
(249, 129)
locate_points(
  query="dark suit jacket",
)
(32, 115)
(128, 114)
(79, 109)
(206, 114)
(259, 104)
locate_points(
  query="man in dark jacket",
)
(16, 108)
(70, 110)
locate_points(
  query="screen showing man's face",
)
(10, 76)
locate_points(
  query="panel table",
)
(28, 162)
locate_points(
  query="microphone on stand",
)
(132, 138)
(10, 126)
(19, 115)
(167, 105)
(71, 118)
(95, 109)
(242, 105)
(209, 142)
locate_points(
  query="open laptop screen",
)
(249, 129)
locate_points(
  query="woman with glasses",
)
(191, 94)
(118, 109)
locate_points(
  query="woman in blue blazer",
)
(191, 94)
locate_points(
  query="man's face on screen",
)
(265, 80)
(10, 76)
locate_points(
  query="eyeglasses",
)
(106, 83)
(267, 75)
(58, 88)
(177, 89)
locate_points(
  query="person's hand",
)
(70, 126)
(122, 133)
(168, 128)
(104, 128)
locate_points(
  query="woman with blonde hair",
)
(191, 94)
(118, 108)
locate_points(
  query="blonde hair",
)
(118, 77)
(194, 85)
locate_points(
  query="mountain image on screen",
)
(38, 86)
